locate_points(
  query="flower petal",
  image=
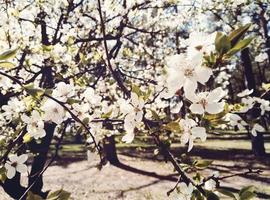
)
(203, 74)
(22, 158)
(196, 108)
(199, 132)
(21, 168)
(128, 138)
(11, 172)
(216, 95)
(214, 108)
(190, 85)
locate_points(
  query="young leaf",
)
(222, 43)
(7, 65)
(239, 46)
(227, 193)
(237, 34)
(3, 176)
(211, 196)
(31, 196)
(59, 195)
(202, 163)
(8, 54)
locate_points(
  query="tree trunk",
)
(40, 159)
(110, 150)
(258, 141)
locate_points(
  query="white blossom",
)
(63, 91)
(208, 102)
(257, 128)
(191, 131)
(133, 111)
(53, 112)
(186, 73)
(16, 163)
(246, 92)
(184, 192)
(35, 124)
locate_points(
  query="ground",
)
(142, 176)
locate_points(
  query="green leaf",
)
(202, 163)
(47, 47)
(8, 54)
(7, 65)
(240, 46)
(136, 89)
(155, 115)
(237, 34)
(59, 195)
(32, 196)
(211, 196)
(72, 101)
(106, 115)
(247, 195)
(27, 138)
(35, 92)
(250, 188)
(3, 176)
(222, 43)
(173, 126)
(227, 193)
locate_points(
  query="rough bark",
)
(258, 141)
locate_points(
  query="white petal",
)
(214, 108)
(185, 138)
(246, 92)
(11, 172)
(13, 158)
(190, 144)
(177, 107)
(196, 108)
(191, 95)
(21, 168)
(128, 138)
(22, 158)
(254, 132)
(259, 128)
(25, 118)
(199, 132)
(203, 74)
(216, 95)
(190, 85)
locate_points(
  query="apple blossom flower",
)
(12, 109)
(246, 92)
(248, 104)
(261, 57)
(184, 192)
(53, 112)
(264, 105)
(199, 44)
(191, 131)
(16, 163)
(186, 73)
(81, 110)
(133, 111)
(257, 128)
(63, 91)
(90, 95)
(35, 124)
(177, 107)
(207, 101)
(210, 185)
(236, 120)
